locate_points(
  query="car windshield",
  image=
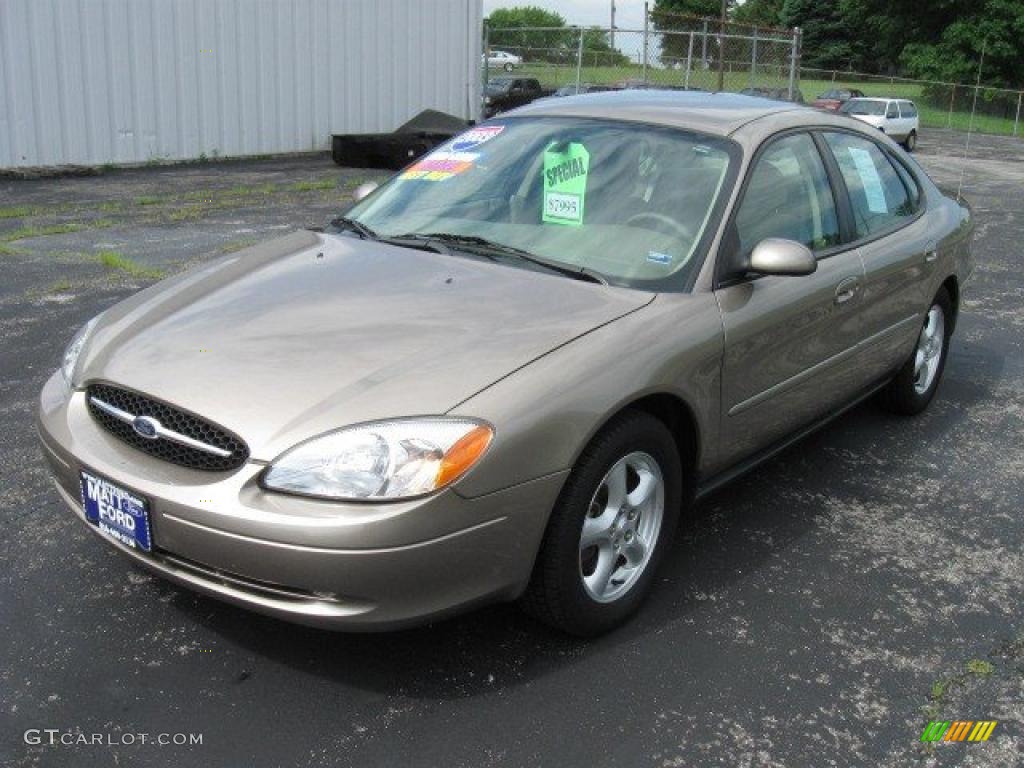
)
(631, 203)
(863, 107)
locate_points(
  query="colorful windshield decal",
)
(441, 165)
(475, 137)
(565, 184)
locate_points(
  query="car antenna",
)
(970, 125)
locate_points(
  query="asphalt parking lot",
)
(820, 611)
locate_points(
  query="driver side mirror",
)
(363, 190)
(777, 256)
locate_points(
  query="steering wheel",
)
(669, 225)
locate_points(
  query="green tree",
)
(540, 35)
(759, 13)
(680, 16)
(995, 25)
(534, 33)
(827, 37)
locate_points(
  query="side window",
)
(907, 109)
(878, 194)
(788, 196)
(891, 111)
(909, 182)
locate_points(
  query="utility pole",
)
(611, 29)
(721, 47)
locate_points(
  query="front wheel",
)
(509, 67)
(911, 141)
(914, 386)
(609, 529)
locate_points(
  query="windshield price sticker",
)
(565, 184)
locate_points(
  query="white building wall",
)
(117, 81)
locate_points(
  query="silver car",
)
(508, 372)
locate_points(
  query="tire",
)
(910, 142)
(509, 67)
(916, 383)
(565, 588)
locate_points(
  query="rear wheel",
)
(609, 529)
(915, 385)
(911, 141)
(509, 67)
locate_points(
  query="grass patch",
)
(24, 233)
(980, 667)
(149, 200)
(18, 212)
(6, 250)
(307, 186)
(188, 212)
(60, 286)
(118, 261)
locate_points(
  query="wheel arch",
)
(676, 414)
(952, 287)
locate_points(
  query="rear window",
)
(863, 107)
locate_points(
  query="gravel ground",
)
(820, 611)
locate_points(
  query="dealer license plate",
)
(118, 513)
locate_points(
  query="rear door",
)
(893, 237)
(789, 341)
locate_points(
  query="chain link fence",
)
(683, 52)
(940, 104)
(671, 51)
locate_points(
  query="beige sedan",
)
(507, 373)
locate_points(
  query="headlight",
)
(384, 460)
(74, 349)
(487, 99)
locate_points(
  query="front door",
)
(789, 341)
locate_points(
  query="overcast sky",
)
(629, 14)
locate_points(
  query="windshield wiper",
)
(364, 232)
(490, 247)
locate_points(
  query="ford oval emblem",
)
(146, 427)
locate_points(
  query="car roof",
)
(715, 113)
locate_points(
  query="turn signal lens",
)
(463, 455)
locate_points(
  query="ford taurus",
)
(508, 372)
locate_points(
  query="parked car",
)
(505, 93)
(510, 370)
(572, 89)
(835, 98)
(503, 60)
(895, 117)
(779, 94)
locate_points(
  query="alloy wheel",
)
(620, 531)
(930, 344)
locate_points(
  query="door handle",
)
(931, 256)
(846, 289)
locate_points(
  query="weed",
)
(118, 261)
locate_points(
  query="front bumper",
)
(337, 565)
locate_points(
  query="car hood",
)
(312, 332)
(875, 120)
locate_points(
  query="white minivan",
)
(895, 117)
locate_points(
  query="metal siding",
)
(120, 81)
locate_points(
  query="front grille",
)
(172, 418)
